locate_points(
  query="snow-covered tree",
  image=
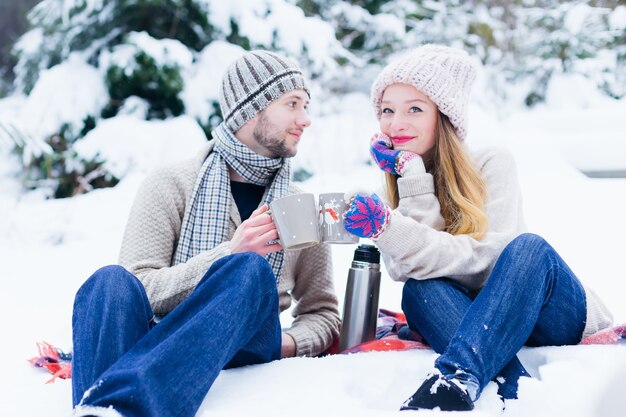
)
(118, 40)
(61, 27)
(148, 54)
(156, 59)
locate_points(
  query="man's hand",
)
(396, 162)
(254, 234)
(287, 346)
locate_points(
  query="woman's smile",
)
(399, 140)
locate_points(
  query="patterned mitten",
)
(367, 216)
(395, 162)
(409, 163)
(382, 153)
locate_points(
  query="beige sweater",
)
(152, 235)
(414, 244)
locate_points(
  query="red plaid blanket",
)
(393, 333)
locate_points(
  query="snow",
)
(617, 19)
(388, 27)
(128, 144)
(573, 91)
(65, 93)
(49, 247)
(280, 25)
(29, 43)
(201, 84)
(576, 16)
(165, 52)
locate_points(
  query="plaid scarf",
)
(207, 215)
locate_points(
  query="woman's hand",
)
(367, 216)
(396, 162)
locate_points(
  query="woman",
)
(451, 228)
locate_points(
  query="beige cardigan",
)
(415, 246)
(152, 235)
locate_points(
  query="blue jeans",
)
(531, 298)
(140, 368)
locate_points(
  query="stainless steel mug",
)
(360, 306)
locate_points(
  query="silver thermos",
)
(360, 306)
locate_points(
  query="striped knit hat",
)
(253, 81)
(444, 74)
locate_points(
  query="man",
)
(200, 253)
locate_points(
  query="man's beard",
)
(271, 138)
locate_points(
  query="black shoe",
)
(439, 391)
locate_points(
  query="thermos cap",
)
(367, 253)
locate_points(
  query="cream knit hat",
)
(444, 74)
(253, 81)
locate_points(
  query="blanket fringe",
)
(608, 336)
(53, 360)
(392, 333)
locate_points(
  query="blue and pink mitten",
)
(394, 161)
(367, 216)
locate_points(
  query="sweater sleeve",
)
(414, 244)
(151, 238)
(316, 322)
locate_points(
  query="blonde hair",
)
(459, 186)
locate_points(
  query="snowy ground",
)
(49, 247)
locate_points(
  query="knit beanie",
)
(444, 74)
(253, 81)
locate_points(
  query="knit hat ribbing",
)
(253, 81)
(444, 74)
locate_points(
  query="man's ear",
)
(245, 131)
